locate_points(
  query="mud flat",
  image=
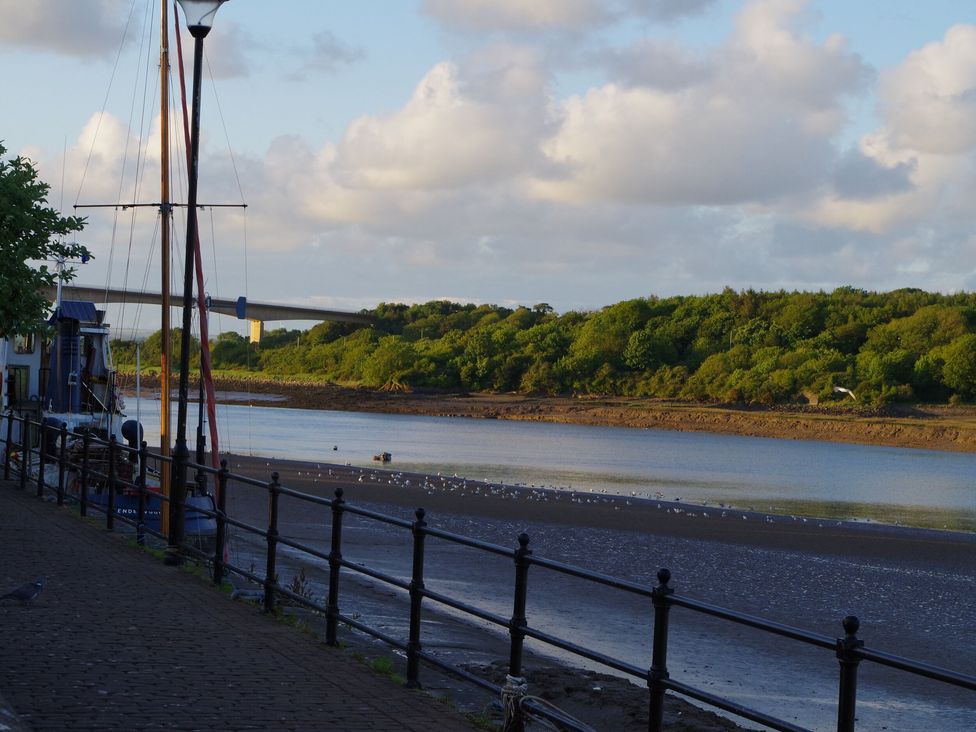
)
(912, 588)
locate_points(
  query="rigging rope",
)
(240, 190)
(108, 91)
(139, 172)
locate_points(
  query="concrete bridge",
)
(256, 312)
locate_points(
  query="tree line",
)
(734, 346)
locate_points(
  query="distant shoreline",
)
(932, 427)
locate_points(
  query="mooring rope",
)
(514, 696)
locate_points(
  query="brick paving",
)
(119, 641)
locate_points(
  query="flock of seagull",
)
(462, 486)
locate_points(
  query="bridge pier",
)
(257, 331)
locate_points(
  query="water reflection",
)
(825, 480)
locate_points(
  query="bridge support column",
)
(257, 330)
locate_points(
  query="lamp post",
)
(199, 16)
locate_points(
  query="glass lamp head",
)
(199, 15)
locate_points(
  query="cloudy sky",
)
(575, 152)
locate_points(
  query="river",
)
(924, 488)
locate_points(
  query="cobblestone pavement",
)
(119, 641)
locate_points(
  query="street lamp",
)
(199, 15)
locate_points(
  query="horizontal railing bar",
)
(754, 621)
(375, 574)
(246, 480)
(598, 577)
(247, 527)
(730, 706)
(300, 599)
(388, 639)
(302, 547)
(553, 715)
(465, 607)
(198, 553)
(458, 671)
(153, 532)
(199, 510)
(307, 497)
(244, 573)
(376, 515)
(917, 667)
(468, 541)
(566, 645)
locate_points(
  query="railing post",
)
(110, 480)
(335, 564)
(269, 573)
(177, 507)
(41, 454)
(658, 673)
(141, 487)
(24, 452)
(416, 597)
(62, 462)
(8, 444)
(85, 449)
(218, 558)
(848, 659)
(515, 687)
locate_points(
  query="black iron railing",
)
(849, 649)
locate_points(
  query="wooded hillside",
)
(759, 347)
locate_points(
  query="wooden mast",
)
(166, 216)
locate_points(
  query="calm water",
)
(891, 485)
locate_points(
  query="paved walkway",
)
(118, 641)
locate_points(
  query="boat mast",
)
(166, 216)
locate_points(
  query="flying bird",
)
(845, 391)
(26, 593)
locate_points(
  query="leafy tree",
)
(30, 233)
(232, 350)
(959, 371)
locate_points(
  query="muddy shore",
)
(741, 560)
(933, 427)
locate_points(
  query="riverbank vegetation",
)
(747, 347)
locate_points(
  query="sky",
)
(572, 152)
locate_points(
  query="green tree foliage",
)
(751, 347)
(31, 235)
(233, 351)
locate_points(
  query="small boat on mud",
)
(383, 457)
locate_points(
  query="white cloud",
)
(929, 101)
(753, 121)
(84, 29)
(667, 10)
(516, 15)
(449, 134)
(928, 135)
(575, 16)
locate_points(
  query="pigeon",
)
(26, 593)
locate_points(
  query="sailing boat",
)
(74, 384)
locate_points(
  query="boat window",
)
(24, 344)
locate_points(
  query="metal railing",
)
(848, 649)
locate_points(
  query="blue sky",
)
(576, 152)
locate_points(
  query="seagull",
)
(26, 593)
(845, 391)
